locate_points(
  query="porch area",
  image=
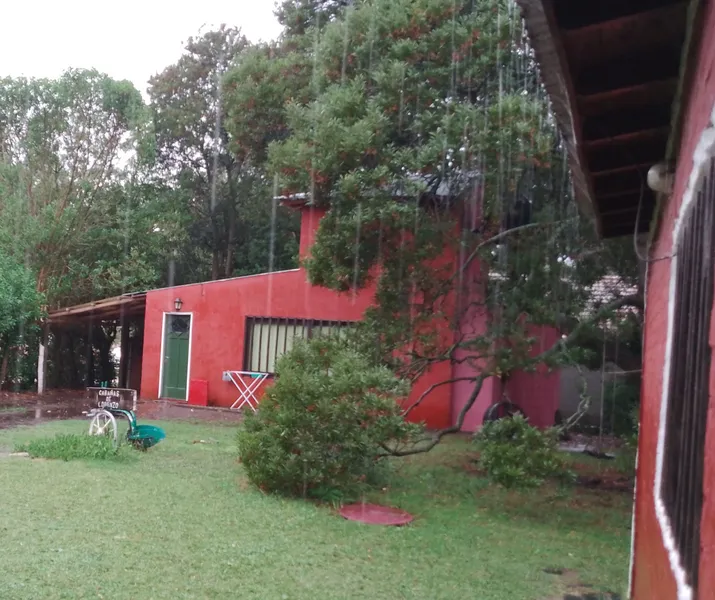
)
(93, 344)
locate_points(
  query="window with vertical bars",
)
(688, 394)
(267, 339)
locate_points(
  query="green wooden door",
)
(176, 356)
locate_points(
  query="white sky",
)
(127, 39)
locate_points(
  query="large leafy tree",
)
(427, 136)
(78, 207)
(20, 308)
(299, 16)
(63, 145)
(193, 151)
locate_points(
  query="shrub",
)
(515, 454)
(74, 446)
(320, 428)
(620, 408)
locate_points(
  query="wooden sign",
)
(117, 398)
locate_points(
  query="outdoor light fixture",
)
(660, 178)
(177, 304)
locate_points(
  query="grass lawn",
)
(182, 522)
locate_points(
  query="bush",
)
(515, 454)
(74, 446)
(319, 429)
(620, 409)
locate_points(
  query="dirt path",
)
(31, 409)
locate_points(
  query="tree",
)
(193, 151)
(298, 16)
(427, 114)
(20, 304)
(61, 146)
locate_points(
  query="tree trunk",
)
(216, 243)
(90, 356)
(215, 266)
(231, 222)
(230, 246)
(73, 379)
(3, 366)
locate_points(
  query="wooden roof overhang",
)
(108, 309)
(614, 72)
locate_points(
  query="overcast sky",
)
(127, 39)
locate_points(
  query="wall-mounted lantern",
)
(177, 304)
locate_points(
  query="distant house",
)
(182, 340)
(632, 84)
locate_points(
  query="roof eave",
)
(688, 58)
(546, 42)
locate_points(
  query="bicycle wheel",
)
(502, 410)
(104, 423)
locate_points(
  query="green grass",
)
(180, 521)
(74, 446)
(11, 410)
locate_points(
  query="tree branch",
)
(427, 444)
(430, 389)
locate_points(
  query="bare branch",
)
(430, 389)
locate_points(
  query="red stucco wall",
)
(219, 310)
(537, 393)
(652, 575)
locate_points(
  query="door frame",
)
(163, 344)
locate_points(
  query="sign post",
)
(113, 398)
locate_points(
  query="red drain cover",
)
(374, 514)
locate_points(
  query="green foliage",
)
(20, 306)
(420, 111)
(257, 90)
(626, 456)
(73, 446)
(516, 454)
(320, 429)
(298, 16)
(61, 145)
(620, 410)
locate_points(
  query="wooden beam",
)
(624, 180)
(572, 15)
(108, 308)
(626, 199)
(635, 120)
(624, 169)
(627, 138)
(633, 149)
(42, 360)
(609, 41)
(556, 77)
(652, 92)
(636, 69)
(123, 349)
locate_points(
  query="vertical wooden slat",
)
(259, 323)
(248, 340)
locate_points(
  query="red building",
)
(632, 84)
(194, 334)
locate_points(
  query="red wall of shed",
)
(537, 393)
(652, 574)
(219, 310)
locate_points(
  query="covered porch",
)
(92, 344)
